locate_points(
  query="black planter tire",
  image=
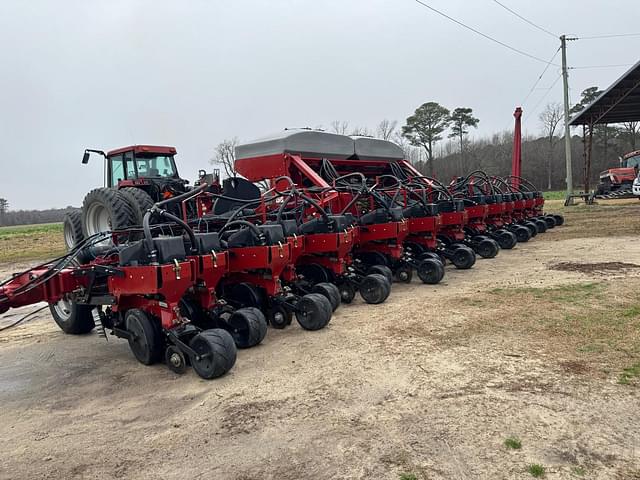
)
(430, 271)
(560, 219)
(146, 342)
(404, 274)
(522, 234)
(313, 273)
(375, 288)
(248, 327)
(506, 239)
(541, 224)
(347, 292)
(551, 221)
(217, 352)
(279, 316)
(314, 311)
(463, 258)
(330, 291)
(488, 248)
(532, 227)
(381, 270)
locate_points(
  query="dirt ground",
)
(534, 344)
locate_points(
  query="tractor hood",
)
(619, 175)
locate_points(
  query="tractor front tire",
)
(72, 229)
(72, 318)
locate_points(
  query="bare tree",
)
(225, 155)
(386, 128)
(361, 132)
(340, 126)
(630, 133)
(550, 118)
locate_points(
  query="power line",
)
(614, 35)
(601, 66)
(540, 77)
(480, 33)
(545, 95)
(526, 20)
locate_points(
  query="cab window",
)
(130, 165)
(117, 169)
(155, 165)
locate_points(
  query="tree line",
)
(28, 217)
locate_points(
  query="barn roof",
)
(618, 103)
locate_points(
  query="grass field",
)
(555, 195)
(31, 242)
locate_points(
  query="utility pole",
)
(567, 133)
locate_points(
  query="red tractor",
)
(135, 177)
(618, 181)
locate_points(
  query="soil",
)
(601, 267)
(423, 384)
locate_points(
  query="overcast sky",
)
(105, 74)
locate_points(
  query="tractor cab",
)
(150, 168)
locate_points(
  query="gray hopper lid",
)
(375, 148)
(311, 143)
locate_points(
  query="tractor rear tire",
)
(464, 258)
(430, 271)
(248, 327)
(330, 291)
(72, 229)
(146, 342)
(216, 351)
(488, 248)
(375, 288)
(105, 209)
(139, 200)
(314, 311)
(72, 318)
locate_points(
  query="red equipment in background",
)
(516, 158)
